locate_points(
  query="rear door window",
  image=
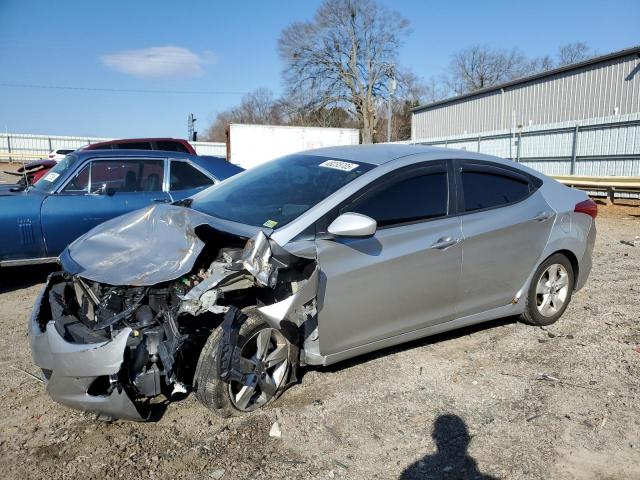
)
(133, 146)
(415, 198)
(187, 177)
(488, 188)
(127, 175)
(169, 146)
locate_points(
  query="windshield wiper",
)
(185, 202)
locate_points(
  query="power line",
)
(120, 90)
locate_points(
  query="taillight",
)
(587, 206)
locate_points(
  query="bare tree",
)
(480, 67)
(412, 92)
(258, 107)
(541, 64)
(573, 53)
(344, 57)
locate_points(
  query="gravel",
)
(502, 400)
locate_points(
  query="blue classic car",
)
(88, 187)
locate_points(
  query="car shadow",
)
(451, 460)
(421, 342)
(16, 278)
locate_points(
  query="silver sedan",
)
(309, 259)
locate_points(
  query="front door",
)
(403, 278)
(101, 190)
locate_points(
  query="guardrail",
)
(608, 184)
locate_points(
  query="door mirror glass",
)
(353, 225)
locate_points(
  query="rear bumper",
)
(587, 259)
(69, 369)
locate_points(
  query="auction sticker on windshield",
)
(51, 176)
(339, 165)
(270, 223)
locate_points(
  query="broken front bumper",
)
(70, 369)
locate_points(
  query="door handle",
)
(444, 243)
(543, 216)
(161, 200)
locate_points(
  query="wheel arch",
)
(573, 259)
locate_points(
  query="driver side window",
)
(419, 197)
(127, 175)
(79, 182)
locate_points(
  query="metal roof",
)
(522, 80)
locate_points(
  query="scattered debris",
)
(217, 474)
(547, 377)
(533, 417)
(27, 373)
(340, 464)
(275, 431)
(637, 349)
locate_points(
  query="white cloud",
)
(166, 61)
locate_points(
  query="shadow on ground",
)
(451, 459)
(15, 278)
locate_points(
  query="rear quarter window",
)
(133, 146)
(168, 146)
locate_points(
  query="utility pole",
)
(392, 88)
(192, 135)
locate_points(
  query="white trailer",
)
(251, 145)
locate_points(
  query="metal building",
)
(603, 86)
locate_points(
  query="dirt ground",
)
(469, 404)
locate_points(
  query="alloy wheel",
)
(552, 290)
(265, 362)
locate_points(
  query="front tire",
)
(550, 291)
(264, 360)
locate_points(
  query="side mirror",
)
(352, 224)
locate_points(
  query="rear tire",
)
(550, 291)
(265, 352)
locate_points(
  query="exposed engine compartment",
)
(171, 321)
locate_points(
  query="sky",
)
(200, 57)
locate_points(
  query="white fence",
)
(26, 146)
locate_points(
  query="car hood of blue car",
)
(144, 247)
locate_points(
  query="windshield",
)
(275, 193)
(46, 182)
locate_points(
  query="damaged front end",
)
(118, 350)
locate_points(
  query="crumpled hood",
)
(141, 248)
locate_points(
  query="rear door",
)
(506, 223)
(403, 278)
(185, 179)
(101, 189)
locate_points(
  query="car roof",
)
(381, 153)
(218, 166)
(82, 154)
